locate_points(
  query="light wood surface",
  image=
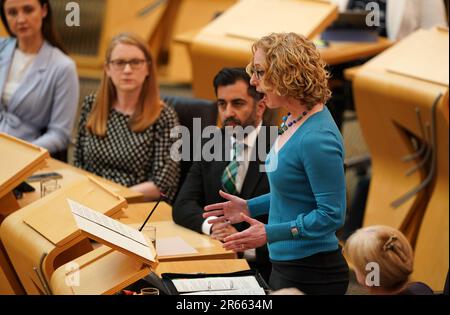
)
(54, 208)
(24, 167)
(341, 52)
(203, 266)
(213, 46)
(72, 174)
(101, 271)
(137, 213)
(104, 271)
(386, 103)
(435, 69)
(9, 281)
(206, 247)
(3, 30)
(179, 70)
(120, 16)
(19, 160)
(44, 235)
(243, 20)
(350, 73)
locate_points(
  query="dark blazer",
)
(202, 186)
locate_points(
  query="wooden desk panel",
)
(19, 159)
(104, 271)
(203, 266)
(137, 213)
(218, 51)
(70, 175)
(387, 103)
(207, 247)
(101, 271)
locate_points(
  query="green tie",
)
(230, 172)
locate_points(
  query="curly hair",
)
(295, 68)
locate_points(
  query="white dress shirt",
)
(20, 64)
(244, 160)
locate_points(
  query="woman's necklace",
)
(285, 126)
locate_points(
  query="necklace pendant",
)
(282, 129)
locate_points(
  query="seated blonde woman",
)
(383, 261)
(124, 130)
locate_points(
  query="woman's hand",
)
(227, 212)
(253, 237)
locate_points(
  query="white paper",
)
(172, 246)
(257, 291)
(216, 284)
(110, 230)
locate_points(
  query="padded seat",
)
(188, 109)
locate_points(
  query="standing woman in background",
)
(39, 86)
(124, 130)
(305, 167)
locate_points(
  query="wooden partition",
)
(226, 41)
(43, 235)
(2, 31)
(19, 160)
(401, 99)
(101, 20)
(192, 16)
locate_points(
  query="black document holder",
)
(171, 290)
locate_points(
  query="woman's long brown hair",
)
(149, 105)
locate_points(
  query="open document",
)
(111, 232)
(247, 285)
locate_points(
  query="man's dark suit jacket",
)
(201, 188)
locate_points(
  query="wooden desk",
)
(178, 69)
(71, 174)
(410, 194)
(19, 159)
(341, 52)
(137, 213)
(125, 16)
(203, 266)
(44, 235)
(227, 40)
(222, 51)
(9, 281)
(207, 248)
(103, 271)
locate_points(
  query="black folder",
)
(166, 286)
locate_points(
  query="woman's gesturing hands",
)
(227, 212)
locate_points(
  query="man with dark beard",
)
(239, 170)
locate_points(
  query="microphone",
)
(161, 197)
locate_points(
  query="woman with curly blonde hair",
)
(306, 203)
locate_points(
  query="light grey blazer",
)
(42, 110)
